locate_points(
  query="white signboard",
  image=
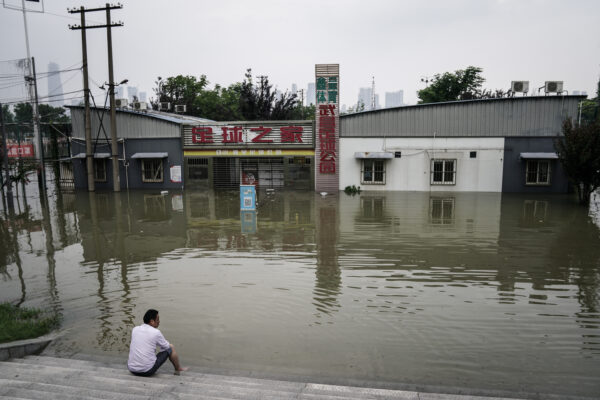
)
(176, 173)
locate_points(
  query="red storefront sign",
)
(327, 139)
(24, 150)
(247, 135)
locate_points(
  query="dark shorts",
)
(160, 360)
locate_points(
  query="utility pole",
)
(373, 94)
(5, 154)
(111, 92)
(36, 130)
(302, 102)
(36, 125)
(113, 124)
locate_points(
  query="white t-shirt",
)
(142, 351)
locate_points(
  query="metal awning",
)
(539, 156)
(150, 155)
(96, 155)
(373, 154)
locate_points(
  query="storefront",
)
(269, 154)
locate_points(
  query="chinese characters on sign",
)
(327, 116)
(249, 135)
(24, 150)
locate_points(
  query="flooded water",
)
(478, 291)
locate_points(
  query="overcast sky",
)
(398, 42)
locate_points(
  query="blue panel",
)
(248, 219)
(247, 197)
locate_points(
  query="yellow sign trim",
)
(248, 153)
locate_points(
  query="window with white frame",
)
(152, 170)
(99, 170)
(443, 172)
(372, 172)
(538, 172)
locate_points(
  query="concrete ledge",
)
(22, 348)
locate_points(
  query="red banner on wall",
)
(24, 150)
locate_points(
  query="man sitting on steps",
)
(144, 338)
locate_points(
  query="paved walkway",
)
(44, 377)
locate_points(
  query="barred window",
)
(99, 170)
(538, 172)
(443, 172)
(373, 172)
(152, 170)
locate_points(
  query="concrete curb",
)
(22, 348)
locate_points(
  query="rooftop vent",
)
(121, 103)
(138, 105)
(553, 86)
(519, 86)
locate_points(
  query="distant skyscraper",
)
(142, 97)
(119, 92)
(394, 99)
(294, 88)
(365, 96)
(55, 89)
(311, 95)
(132, 92)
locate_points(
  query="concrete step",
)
(165, 372)
(35, 390)
(42, 377)
(193, 382)
(122, 381)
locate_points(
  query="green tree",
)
(589, 110)
(180, 90)
(463, 84)
(239, 101)
(259, 101)
(23, 113)
(7, 115)
(579, 153)
(218, 104)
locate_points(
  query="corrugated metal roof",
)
(96, 155)
(131, 124)
(504, 117)
(170, 117)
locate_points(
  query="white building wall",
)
(412, 171)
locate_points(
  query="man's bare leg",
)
(174, 358)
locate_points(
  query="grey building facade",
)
(149, 146)
(527, 127)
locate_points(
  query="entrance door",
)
(226, 173)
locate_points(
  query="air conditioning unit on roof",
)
(180, 108)
(553, 86)
(120, 103)
(519, 86)
(139, 105)
(165, 106)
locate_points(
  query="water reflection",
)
(328, 274)
(424, 288)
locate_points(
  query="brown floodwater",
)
(479, 291)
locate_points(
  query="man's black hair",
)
(150, 315)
